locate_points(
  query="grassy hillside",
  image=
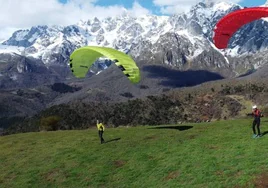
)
(218, 154)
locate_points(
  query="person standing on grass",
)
(101, 128)
(256, 122)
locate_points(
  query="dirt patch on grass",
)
(192, 137)
(212, 147)
(51, 175)
(261, 181)
(119, 163)
(172, 175)
(55, 175)
(150, 137)
(9, 178)
(21, 149)
(87, 179)
(238, 174)
(219, 173)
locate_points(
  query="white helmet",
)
(253, 107)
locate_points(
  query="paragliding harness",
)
(257, 113)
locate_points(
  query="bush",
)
(127, 95)
(144, 87)
(50, 123)
(265, 111)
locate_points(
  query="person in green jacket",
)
(101, 128)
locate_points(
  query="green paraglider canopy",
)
(83, 58)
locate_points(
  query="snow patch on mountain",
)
(11, 49)
(223, 6)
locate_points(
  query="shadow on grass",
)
(180, 128)
(266, 132)
(113, 140)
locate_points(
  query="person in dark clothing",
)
(256, 122)
(101, 128)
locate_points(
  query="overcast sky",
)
(21, 14)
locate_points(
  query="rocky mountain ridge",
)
(150, 39)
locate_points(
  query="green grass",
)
(217, 154)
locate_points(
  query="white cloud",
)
(178, 6)
(20, 14)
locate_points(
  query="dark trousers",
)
(101, 138)
(256, 121)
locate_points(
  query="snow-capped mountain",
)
(39, 56)
(182, 40)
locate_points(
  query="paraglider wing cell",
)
(81, 60)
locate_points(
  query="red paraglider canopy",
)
(230, 23)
